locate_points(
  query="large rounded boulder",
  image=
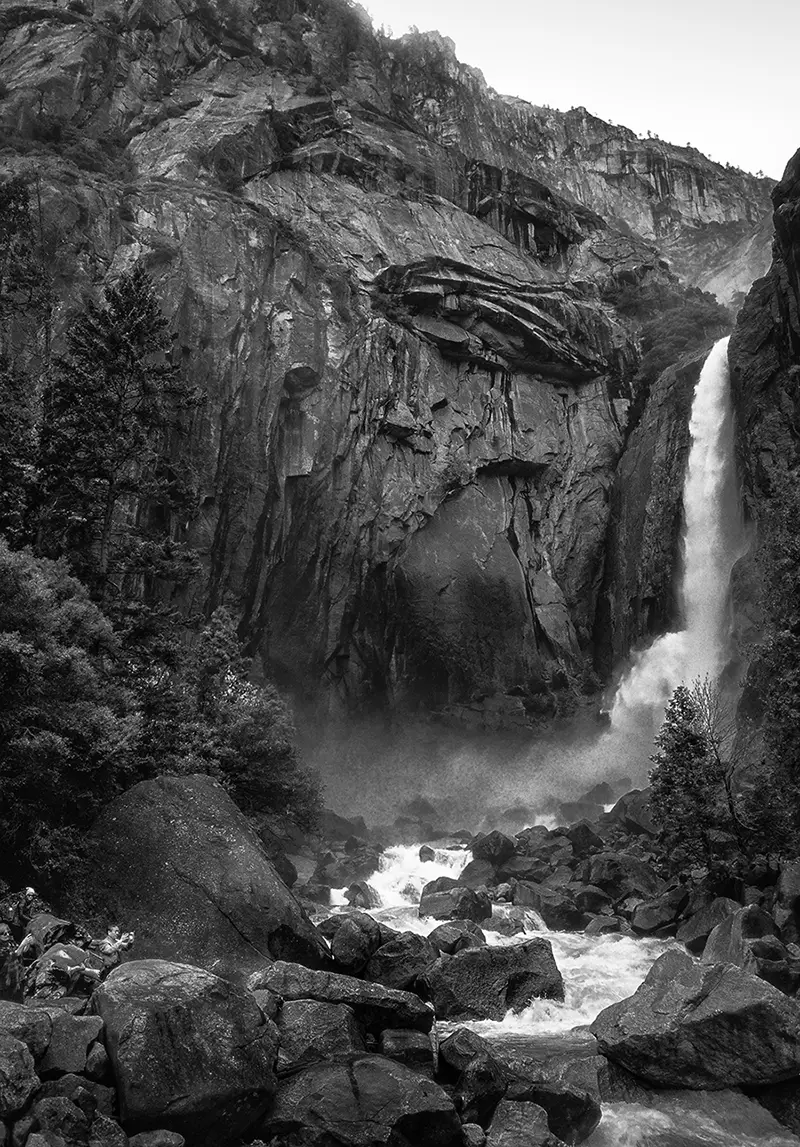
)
(177, 861)
(485, 983)
(191, 1053)
(366, 1101)
(699, 1026)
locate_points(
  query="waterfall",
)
(712, 542)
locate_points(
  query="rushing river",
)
(597, 971)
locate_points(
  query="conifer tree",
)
(109, 485)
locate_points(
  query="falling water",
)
(712, 542)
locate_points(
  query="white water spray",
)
(712, 542)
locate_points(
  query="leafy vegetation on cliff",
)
(108, 677)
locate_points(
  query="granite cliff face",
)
(392, 287)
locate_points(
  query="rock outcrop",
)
(179, 863)
(388, 283)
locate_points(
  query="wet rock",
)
(699, 1026)
(363, 895)
(414, 1049)
(401, 962)
(357, 938)
(518, 1124)
(456, 935)
(616, 1085)
(376, 1007)
(179, 863)
(589, 898)
(426, 853)
(478, 1089)
(572, 1112)
(191, 1052)
(583, 838)
(485, 983)
(18, 1079)
(556, 908)
(602, 925)
(748, 938)
(524, 868)
(33, 1026)
(495, 848)
(622, 875)
(511, 920)
(695, 931)
(311, 1031)
(661, 913)
(456, 903)
(368, 1101)
(478, 874)
(530, 839)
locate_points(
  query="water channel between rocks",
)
(598, 971)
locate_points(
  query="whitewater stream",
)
(597, 971)
(601, 970)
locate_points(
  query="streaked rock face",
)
(388, 283)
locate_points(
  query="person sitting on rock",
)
(18, 908)
(67, 969)
(10, 967)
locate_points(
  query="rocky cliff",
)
(393, 288)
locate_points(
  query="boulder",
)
(485, 983)
(457, 903)
(556, 908)
(572, 1112)
(479, 1088)
(32, 1025)
(695, 931)
(583, 838)
(414, 1049)
(69, 1042)
(178, 862)
(748, 939)
(589, 898)
(18, 1079)
(59, 1116)
(474, 1135)
(367, 1101)
(622, 875)
(191, 1052)
(401, 962)
(354, 941)
(375, 1006)
(159, 1138)
(530, 839)
(661, 913)
(519, 1124)
(700, 1026)
(478, 874)
(524, 868)
(426, 853)
(311, 1031)
(363, 895)
(632, 811)
(455, 935)
(106, 1132)
(92, 1097)
(495, 848)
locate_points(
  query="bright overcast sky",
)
(722, 75)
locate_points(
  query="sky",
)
(719, 74)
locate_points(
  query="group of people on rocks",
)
(45, 957)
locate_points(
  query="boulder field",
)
(296, 1032)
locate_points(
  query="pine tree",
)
(109, 485)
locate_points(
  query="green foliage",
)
(66, 735)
